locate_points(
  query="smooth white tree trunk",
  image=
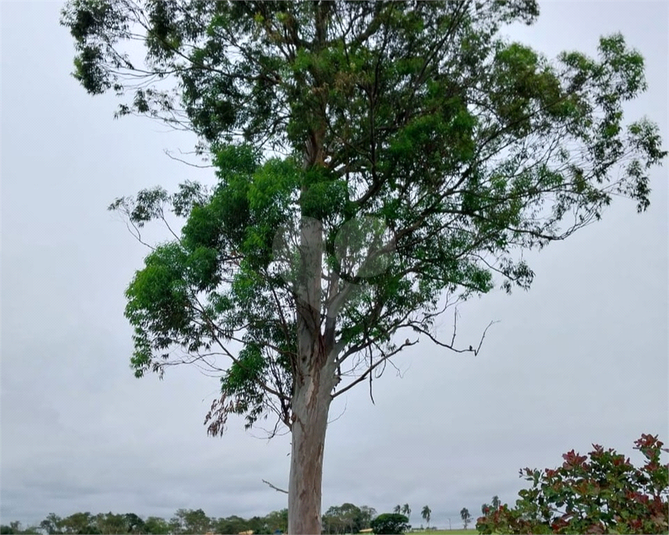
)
(311, 405)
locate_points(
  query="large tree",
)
(415, 154)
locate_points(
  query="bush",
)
(602, 494)
(390, 523)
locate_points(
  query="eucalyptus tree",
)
(414, 150)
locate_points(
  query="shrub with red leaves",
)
(599, 493)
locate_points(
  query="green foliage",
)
(464, 149)
(185, 521)
(599, 493)
(390, 523)
(15, 528)
(79, 523)
(191, 521)
(156, 526)
(347, 518)
(277, 521)
(231, 524)
(51, 524)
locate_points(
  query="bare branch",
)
(273, 487)
(169, 155)
(451, 346)
(369, 370)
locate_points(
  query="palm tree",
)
(426, 513)
(466, 517)
(406, 510)
(398, 509)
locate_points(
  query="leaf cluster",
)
(598, 493)
(389, 523)
(424, 151)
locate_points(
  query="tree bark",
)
(312, 390)
(311, 405)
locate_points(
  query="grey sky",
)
(581, 358)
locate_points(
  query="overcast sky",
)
(580, 358)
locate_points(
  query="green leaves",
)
(423, 151)
(599, 493)
(390, 523)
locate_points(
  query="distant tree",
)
(368, 514)
(398, 509)
(193, 521)
(231, 525)
(390, 523)
(134, 523)
(156, 526)
(112, 523)
(421, 151)
(485, 508)
(14, 528)
(345, 518)
(466, 516)
(51, 524)
(79, 523)
(406, 510)
(426, 513)
(258, 525)
(277, 520)
(331, 522)
(176, 525)
(495, 503)
(598, 493)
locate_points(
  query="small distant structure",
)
(367, 530)
(249, 532)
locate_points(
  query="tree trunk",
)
(314, 376)
(311, 404)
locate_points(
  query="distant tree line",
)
(191, 521)
(337, 520)
(345, 518)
